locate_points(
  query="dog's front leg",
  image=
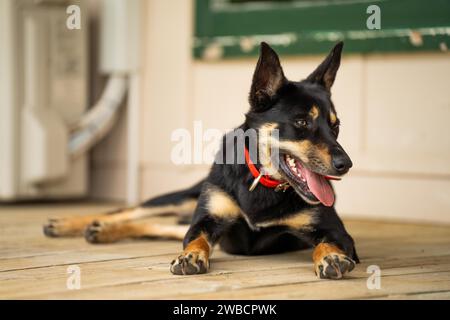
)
(334, 250)
(216, 211)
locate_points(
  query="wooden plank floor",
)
(414, 261)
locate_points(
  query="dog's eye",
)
(301, 123)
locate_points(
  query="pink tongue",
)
(320, 187)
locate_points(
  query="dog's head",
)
(306, 122)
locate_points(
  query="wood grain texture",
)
(414, 262)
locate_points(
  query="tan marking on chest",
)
(220, 204)
(301, 220)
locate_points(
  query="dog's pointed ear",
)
(326, 71)
(267, 79)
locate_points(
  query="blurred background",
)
(91, 91)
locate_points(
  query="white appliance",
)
(43, 89)
(45, 131)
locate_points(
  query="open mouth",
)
(314, 188)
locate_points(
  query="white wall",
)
(393, 108)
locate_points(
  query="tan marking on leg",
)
(176, 232)
(99, 232)
(107, 233)
(184, 208)
(68, 227)
(324, 249)
(314, 112)
(221, 205)
(194, 259)
(75, 226)
(200, 244)
(301, 220)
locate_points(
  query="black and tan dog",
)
(289, 207)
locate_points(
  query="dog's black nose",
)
(341, 161)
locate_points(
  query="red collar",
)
(260, 178)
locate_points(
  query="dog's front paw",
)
(330, 262)
(192, 262)
(334, 266)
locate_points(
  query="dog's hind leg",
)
(99, 232)
(181, 203)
